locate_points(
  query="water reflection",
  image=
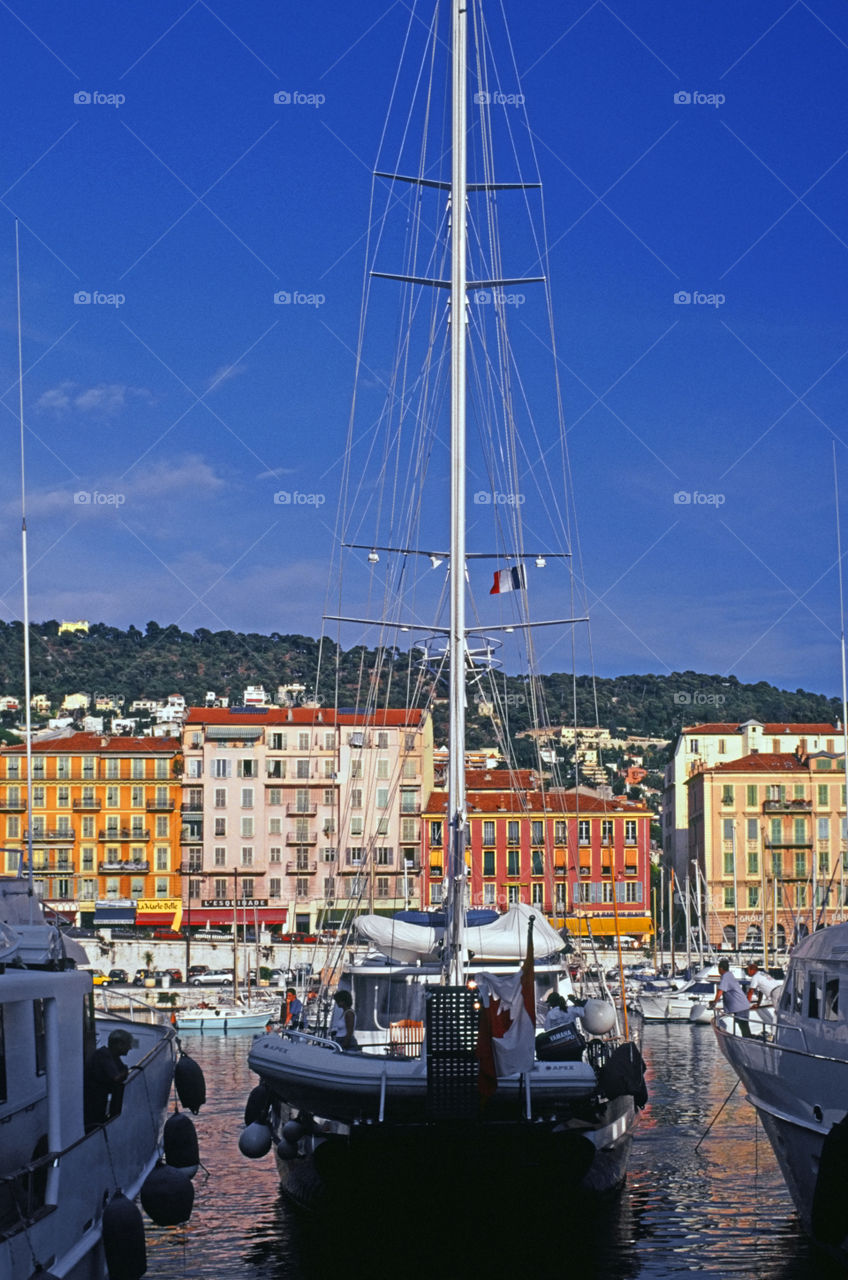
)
(720, 1210)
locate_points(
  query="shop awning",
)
(159, 913)
(604, 926)
(216, 916)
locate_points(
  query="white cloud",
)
(107, 398)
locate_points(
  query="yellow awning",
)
(604, 926)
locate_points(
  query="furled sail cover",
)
(505, 939)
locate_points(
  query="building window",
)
(247, 887)
(220, 889)
(753, 862)
(247, 797)
(222, 768)
(436, 834)
(302, 770)
(194, 768)
(751, 796)
(220, 860)
(488, 862)
(513, 861)
(753, 895)
(489, 894)
(275, 795)
(357, 826)
(488, 832)
(195, 860)
(220, 826)
(356, 798)
(729, 897)
(38, 794)
(409, 799)
(408, 829)
(607, 837)
(275, 853)
(824, 828)
(382, 887)
(220, 796)
(113, 797)
(248, 768)
(113, 768)
(161, 826)
(537, 862)
(274, 887)
(435, 895)
(537, 831)
(800, 864)
(727, 794)
(728, 862)
(583, 835)
(279, 741)
(247, 827)
(513, 832)
(560, 832)
(630, 831)
(247, 858)
(513, 893)
(537, 894)
(162, 859)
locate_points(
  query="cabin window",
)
(798, 992)
(814, 996)
(831, 1000)
(40, 1037)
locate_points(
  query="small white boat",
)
(56, 1179)
(225, 1019)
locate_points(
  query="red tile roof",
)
(92, 744)
(500, 779)
(302, 715)
(759, 762)
(782, 726)
(536, 802)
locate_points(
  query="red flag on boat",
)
(506, 1039)
(508, 580)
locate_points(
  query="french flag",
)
(508, 580)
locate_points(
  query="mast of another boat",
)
(455, 905)
(25, 577)
(843, 835)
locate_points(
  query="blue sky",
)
(686, 149)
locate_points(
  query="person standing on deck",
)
(343, 1021)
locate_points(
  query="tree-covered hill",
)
(160, 660)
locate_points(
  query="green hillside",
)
(160, 660)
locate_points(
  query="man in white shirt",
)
(761, 987)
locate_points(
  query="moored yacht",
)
(795, 1071)
(58, 1176)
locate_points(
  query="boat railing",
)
(128, 1006)
(311, 1037)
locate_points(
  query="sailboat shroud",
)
(415, 1100)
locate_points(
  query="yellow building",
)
(105, 818)
(767, 833)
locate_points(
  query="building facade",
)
(705, 745)
(582, 860)
(768, 835)
(296, 813)
(105, 822)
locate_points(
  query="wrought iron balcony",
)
(123, 833)
(297, 869)
(123, 867)
(787, 806)
(161, 806)
(306, 810)
(51, 837)
(301, 837)
(89, 804)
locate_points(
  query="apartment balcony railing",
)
(122, 867)
(191, 807)
(88, 805)
(301, 837)
(51, 837)
(13, 806)
(307, 810)
(787, 806)
(161, 806)
(123, 833)
(297, 869)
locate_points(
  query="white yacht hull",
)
(63, 1229)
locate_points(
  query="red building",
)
(584, 861)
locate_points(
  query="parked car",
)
(299, 937)
(195, 970)
(212, 978)
(173, 975)
(141, 976)
(98, 977)
(118, 975)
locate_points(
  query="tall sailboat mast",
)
(24, 572)
(457, 874)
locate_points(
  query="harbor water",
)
(718, 1210)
